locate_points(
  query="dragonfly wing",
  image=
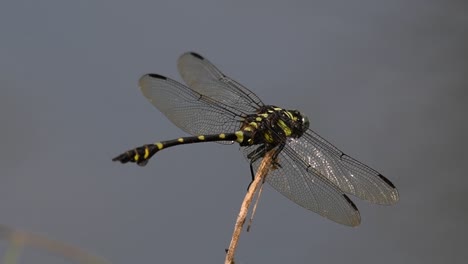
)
(308, 188)
(191, 111)
(205, 78)
(350, 175)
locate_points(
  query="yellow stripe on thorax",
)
(286, 129)
(253, 124)
(268, 137)
(289, 114)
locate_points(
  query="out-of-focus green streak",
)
(20, 239)
(13, 252)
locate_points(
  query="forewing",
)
(307, 188)
(191, 111)
(203, 77)
(350, 175)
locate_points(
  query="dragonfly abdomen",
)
(142, 154)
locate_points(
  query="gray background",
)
(383, 80)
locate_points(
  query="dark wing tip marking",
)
(157, 76)
(387, 181)
(197, 55)
(350, 202)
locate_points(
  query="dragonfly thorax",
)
(272, 125)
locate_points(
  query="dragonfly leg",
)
(259, 153)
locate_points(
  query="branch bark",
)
(259, 176)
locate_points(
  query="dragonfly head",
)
(300, 123)
(305, 123)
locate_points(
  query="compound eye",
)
(305, 123)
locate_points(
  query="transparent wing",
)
(308, 188)
(350, 175)
(203, 77)
(191, 111)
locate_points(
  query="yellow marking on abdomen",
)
(240, 136)
(146, 153)
(277, 109)
(222, 136)
(181, 140)
(159, 145)
(136, 157)
(258, 119)
(201, 137)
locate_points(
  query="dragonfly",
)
(307, 169)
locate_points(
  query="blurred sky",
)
(383, 80)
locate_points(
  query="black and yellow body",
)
(268, 128)
(141, 155)
(306, 168)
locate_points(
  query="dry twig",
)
(260, 175)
